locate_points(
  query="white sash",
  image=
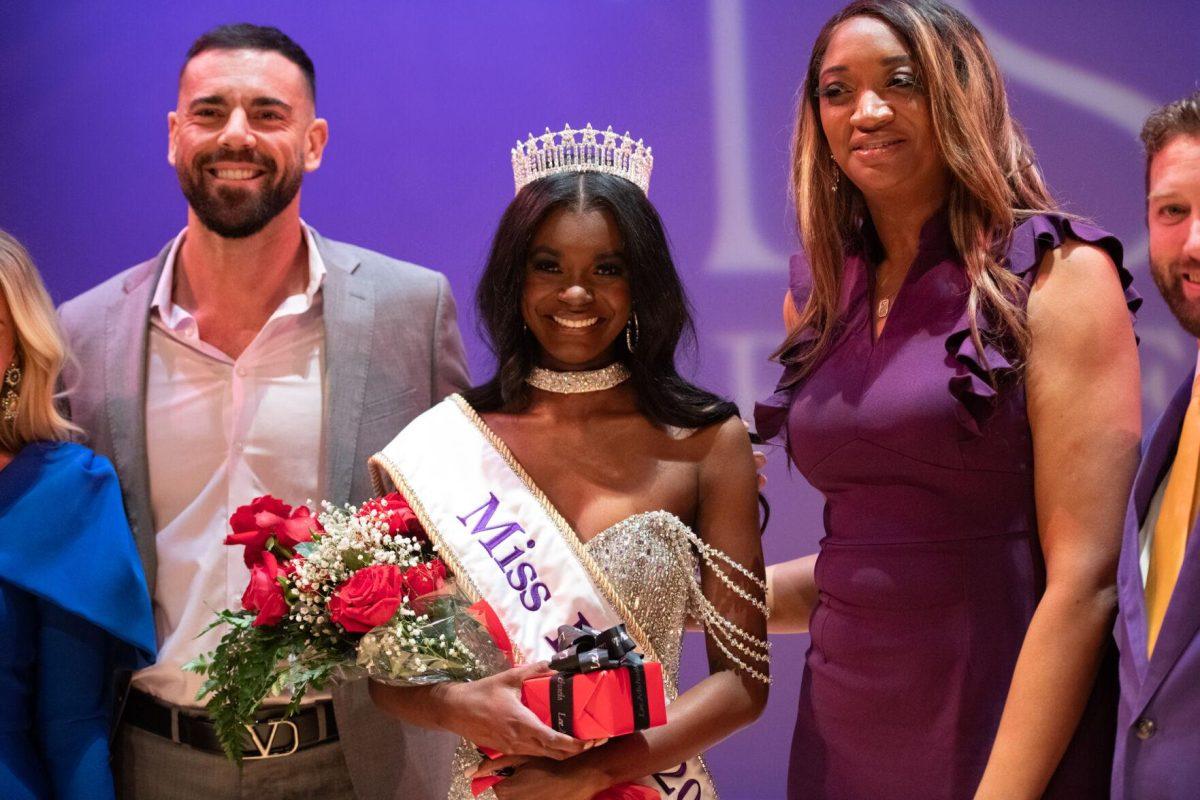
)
(508, 545)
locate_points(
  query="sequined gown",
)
(650, 562)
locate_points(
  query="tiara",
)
(596, 151)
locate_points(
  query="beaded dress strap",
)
(727, 635)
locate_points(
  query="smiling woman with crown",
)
(588, 484)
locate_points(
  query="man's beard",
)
(231, 212)
(1169, 279)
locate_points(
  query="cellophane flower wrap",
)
(347, 593)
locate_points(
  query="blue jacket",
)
(74, 608)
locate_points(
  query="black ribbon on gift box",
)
(582, 649)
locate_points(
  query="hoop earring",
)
(631, 332)
(8, 391)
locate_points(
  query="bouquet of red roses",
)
(346, 593)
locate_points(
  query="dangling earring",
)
(631, 332)
(837, 174)
(8, 391)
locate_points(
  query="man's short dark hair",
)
(1173, 119)
(246, 36)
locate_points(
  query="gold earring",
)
(8, 391)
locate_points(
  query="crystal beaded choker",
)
(596, 380)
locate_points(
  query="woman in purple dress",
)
(961, 383)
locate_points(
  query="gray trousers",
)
(149, 767)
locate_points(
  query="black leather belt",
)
(271, 736)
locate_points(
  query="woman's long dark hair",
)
(995, 180)
(663, 315)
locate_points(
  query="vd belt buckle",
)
(264, 750)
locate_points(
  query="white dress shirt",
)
(1146, 534)
(219, 432)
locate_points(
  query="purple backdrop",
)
(425, 99)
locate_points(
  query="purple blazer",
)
(1158, 724)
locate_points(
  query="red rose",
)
(266, 517)
(264, 593)
(369, 599)
(252, 525)
(394, 510)
(425, 579)
(297, 528)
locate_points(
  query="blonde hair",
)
(995, 182)
(40, 349)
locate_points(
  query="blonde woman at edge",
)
(961, 383)
(73, 603)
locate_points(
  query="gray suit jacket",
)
(392, 349)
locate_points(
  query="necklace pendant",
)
(885, 305)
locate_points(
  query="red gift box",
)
(601, 707)
(621, 791)
(601, 701)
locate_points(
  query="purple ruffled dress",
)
(930, 567)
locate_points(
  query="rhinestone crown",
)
(587, 150)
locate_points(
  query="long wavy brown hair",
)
(995, 181)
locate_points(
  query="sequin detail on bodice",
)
(650, 563)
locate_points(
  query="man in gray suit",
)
(252, 356)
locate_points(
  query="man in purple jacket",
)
(1158, 630)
